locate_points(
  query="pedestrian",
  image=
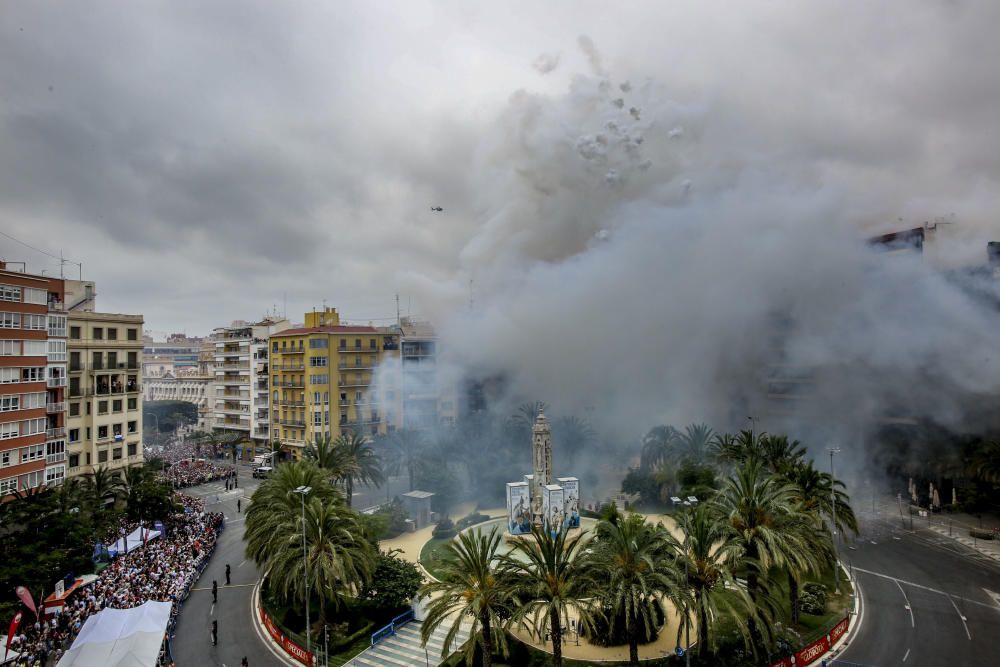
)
(239, 506)
(227, 574)
(215, 633)
(236, 482)
(215, 591)
(244, 663)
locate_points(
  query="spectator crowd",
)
(164, 569)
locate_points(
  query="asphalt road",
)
(926, 598)
(192, 644)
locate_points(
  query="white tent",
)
(135, 539)
(120, 638)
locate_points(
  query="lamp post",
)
(690, 502)
(156, 417)
(303, 491)
(833, 503)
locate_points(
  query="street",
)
(926, 597)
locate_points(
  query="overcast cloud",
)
(206, 160)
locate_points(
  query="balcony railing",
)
(55, 407)
(58, 432)
(297, 404)
(293, 422)
(354, 366)
(233, 365)
(55, 458)
(290, 350)
(56, 382)
(55, 332)
(295, 384)
(288, 367)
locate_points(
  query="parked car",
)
(262, 472)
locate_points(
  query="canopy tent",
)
(135, 539)
(120, 638)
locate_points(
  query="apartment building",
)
(32, 380)
(104, 399)
(241, 399)
(323, 380)
(421, 397)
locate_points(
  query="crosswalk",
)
(404, 649)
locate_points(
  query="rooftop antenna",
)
(398, 322)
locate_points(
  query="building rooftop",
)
(339, 329)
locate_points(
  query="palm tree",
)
(657, 446)
(780, 454)
(363, 464)
(630, 560)
(711, 583)
(471, 585)
(549, 581)
(403, 450)
(327, 456)
(695, 440)
(276, 449)
(132, 483)
(767, 524)
(102, 485)
(571, 435)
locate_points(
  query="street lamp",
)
(833, 503)
(690, 502)
(156, 417)
(303, 491)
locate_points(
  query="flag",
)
(25, 596)
(13, 629)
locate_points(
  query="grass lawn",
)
(434, 553)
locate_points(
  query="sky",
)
(211, 161)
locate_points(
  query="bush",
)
(471, 520)
(813, 599)
(981, 534)
(394, 583)
(445, 528)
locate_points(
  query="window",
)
(317, 419)
(74, 435)
(74, 409)
(33, 374)
(10, 403)
(10, 293)
(57, 325)
(55, 451)
(10, 320)
(116, 405)
(102, 457)
(74, 333)
(318, 379)
(37, 296)
(8, 485)
(74, 461)
(343, 343)
(359, 397)
(33, 426)
(32, 453)
(112, 358)
(98, 333)
(318, 362)
(112, 333)
(315, 397)
(327, 417)
(74, 387)
(36, 400)
(132, 403)
(102, 432)
(117, 454)
(35, 322)
(132, 334)
(132, 426)
(372, 344)
(8, 458)
(132, 449)
(96, 360)
(35, 348)
(10, 375)
(318, 343)
(10, 348)
(57, 350)
(55, 475)
(102, 407)
(10, 430)
(274, 346)
(133, 361)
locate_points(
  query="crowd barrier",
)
(811, 653)
(286, 643)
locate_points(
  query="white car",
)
(262, 472)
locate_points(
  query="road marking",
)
(241, 564)
(211, 611)
(925, 588)
(904, 657)
(967, 633)
(913, 623)
(206, 588)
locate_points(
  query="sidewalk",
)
(953, 525)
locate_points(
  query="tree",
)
(549, 581)
(571, 435)
(711, 584)
(695, 441)
(630, 561)
(327, 456)
(657, 446)
(402, 450)
(393, 584)
(470, 586)
(102, 486)
(767, 525)
(362, 463)
(145, 495)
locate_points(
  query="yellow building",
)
(323, 380)
(104, 399)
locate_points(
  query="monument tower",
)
(541, 448)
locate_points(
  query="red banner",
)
(784, 662)
(811, 653)
(839, 630)
(290, 647)
(13, 629)
(25, 596)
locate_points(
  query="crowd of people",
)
(164, 569)
(187, 473)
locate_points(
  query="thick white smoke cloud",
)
(633, 265)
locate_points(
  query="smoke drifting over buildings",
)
(625, 271)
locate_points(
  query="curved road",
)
(927, 598)
(192, 645)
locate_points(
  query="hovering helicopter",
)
(436, 209)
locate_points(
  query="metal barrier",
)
(390, 629)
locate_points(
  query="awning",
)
(120, 638)
(135, 539)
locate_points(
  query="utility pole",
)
(833, 502)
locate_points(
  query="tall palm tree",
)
(327, 456)
(711, 583)
(767, 524)
(780, 454)
(101, 486)
(132, 483)
(471, 585)
(657, 446)
(571, 435)
(695, 440)
(629, 559)
(362, 463)
(549, 581)
(403, 450)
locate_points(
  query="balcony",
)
(58, 432)
(233, 365)
(57, 332)
(293, 422)
(56, 382)
(55, 458)
(55, 407)
(233, 379)
(355, 383)
(345, 404)
(294, 384)
(354, 366)
(294, 404)
(289, 350)
(288, 367)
